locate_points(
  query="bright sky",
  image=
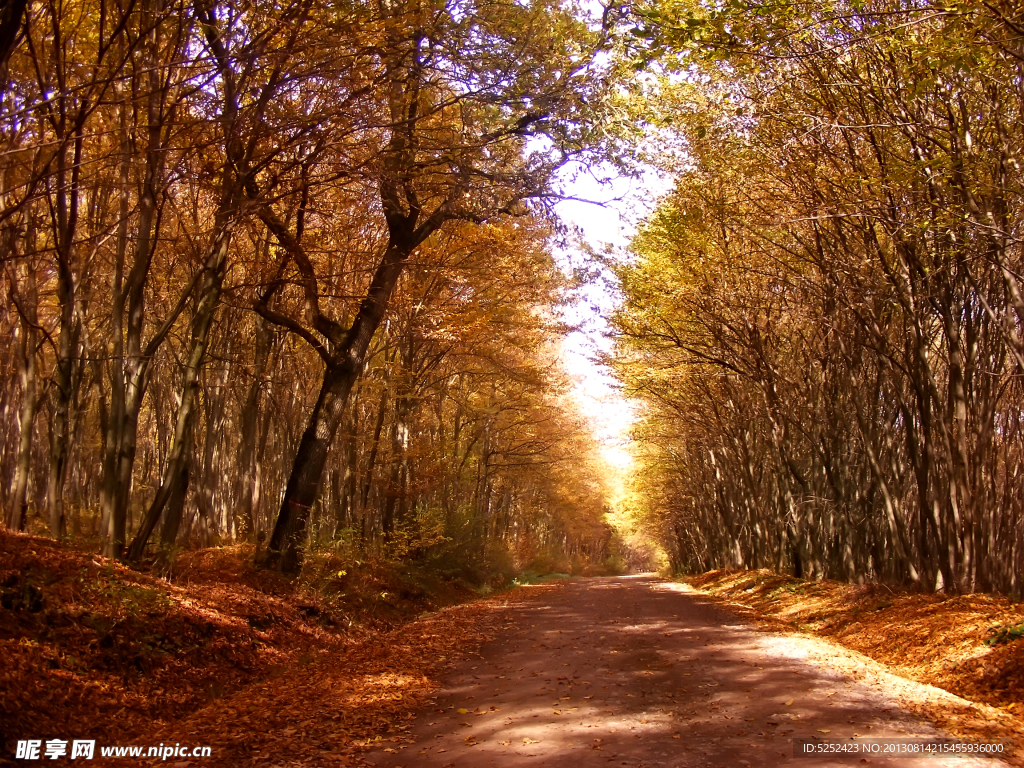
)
(608, 229)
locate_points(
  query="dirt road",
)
(634, 672)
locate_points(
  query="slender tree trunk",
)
(133, 358)
(244, 512)
(285, 548)
(29, 403)
(394, 494)
(66, 210)
(213, 403)
(288, 539)
(175, 509)
(181, 444)
(114, 431)
(371, 462)
(348, 487)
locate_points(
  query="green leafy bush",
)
(1005, 634)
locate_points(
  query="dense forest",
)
(284, 273)
(824, 318)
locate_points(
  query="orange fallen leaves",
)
(347, 701)
(92, 649)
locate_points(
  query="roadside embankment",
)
(92, 649)
(968, 645)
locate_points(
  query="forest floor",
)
(362, 665)
(91, 649)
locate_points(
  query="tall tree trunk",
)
(181, 444)
(132, 360)
(113, 434)
(371, 462)
(64, 378)
(244, 512)
(28, 378)
(394, 494)
(348, 487)
(213, 405)
(175, 509)
(285, 548)
(235, 177)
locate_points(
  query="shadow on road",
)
(633, 671)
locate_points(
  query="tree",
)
(190, 262)
(830, 281)
(453, 148)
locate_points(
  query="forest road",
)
(634, 671)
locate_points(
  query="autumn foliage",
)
(823, 319)
(92, 648)
(283, 272)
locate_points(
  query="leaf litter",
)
(263, 670)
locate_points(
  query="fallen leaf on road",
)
(788, 703)
(528, 740)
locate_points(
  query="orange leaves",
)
(935, 639)
(114, 654)
(349, 700)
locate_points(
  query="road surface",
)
(633, 671)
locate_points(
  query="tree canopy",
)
(282, 272)
(285, 273)
(824, 318)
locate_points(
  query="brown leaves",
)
(935, 639)
(113, 654)
(348, 701)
